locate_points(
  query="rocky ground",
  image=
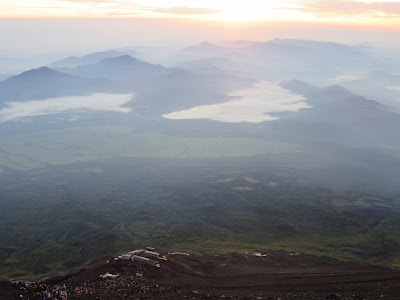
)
(278, 275)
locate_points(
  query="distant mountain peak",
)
(307, 43)
(123, 59)
(337, 89)
(205, 43)
(92, 58)
(42, 72)
(298, 86)
(202, 46)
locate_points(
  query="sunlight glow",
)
(339, 11)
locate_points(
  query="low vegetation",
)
(59, 217)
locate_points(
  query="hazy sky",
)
(351, 11)
(51, 29)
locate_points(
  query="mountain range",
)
(45, 83)
(122, 67)
(160, 90)
(74, 61)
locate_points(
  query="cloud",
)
(128, 6)
(88, 1)
(115, 8)
(185, 10)
(345, 78)
(394, 88)
(348, 8)
(252, 105)
(369, 11)
(106, 102)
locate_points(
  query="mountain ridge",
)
(90, 58)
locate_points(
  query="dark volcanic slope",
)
(123, 67)
(45, 83)
(233, 276)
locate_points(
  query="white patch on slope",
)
(253, 105)
(106, 102)
(344, 78)
(394, 88)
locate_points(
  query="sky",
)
(53, 29)
(372, 12)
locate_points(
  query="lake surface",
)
(104, 102)
(255, 104)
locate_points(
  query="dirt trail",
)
(279, 275)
